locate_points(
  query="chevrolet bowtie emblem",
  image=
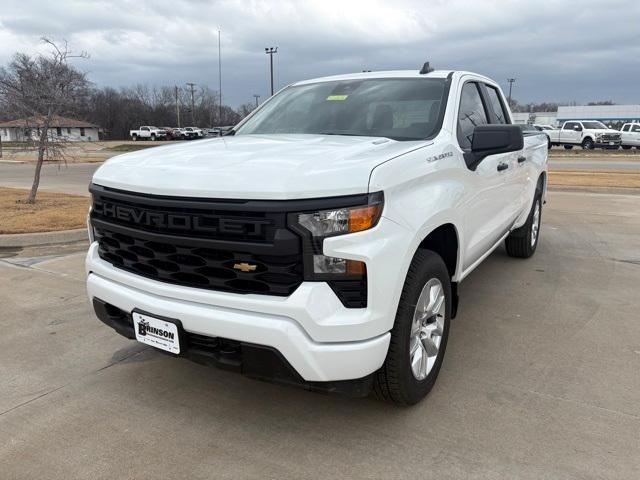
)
(244, 267)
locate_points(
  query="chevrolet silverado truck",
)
(148, 133)
(630, 135)
(321, 242)
(588, 134)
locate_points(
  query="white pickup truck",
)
(148, 133)
(630, 135)
(588, 134)
(321, 242)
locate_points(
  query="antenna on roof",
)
(426, 68)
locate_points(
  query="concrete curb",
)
(44, 238)
(585, 189)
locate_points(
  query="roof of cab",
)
(388, 74)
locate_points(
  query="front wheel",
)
(568, 147)
(420, 332)
(587, 144)
(523, 241)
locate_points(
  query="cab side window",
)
(472, 112)
(626, 128)
(497, 106)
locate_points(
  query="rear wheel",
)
(523, 241)
(134, 138)
(568, 147)
(420, 332)
(626, 147)
(153, 137)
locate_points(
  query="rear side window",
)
(636, 128)
(472, 113)
(497, 105)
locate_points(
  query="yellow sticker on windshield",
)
(337, 97)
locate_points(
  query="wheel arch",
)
(445, 241)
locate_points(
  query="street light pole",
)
(270, 51)
(511, 81)
(257, 97)
(219, 80)
(177, 106)
(193, 104)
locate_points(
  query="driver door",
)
(489, 206)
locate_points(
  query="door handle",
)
(502, 166)
(522, 159)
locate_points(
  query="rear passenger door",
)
(489, 206)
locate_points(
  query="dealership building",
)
(613, 115)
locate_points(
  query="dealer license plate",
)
(157, 332)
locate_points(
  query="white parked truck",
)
(322, 241)
(630, 135)
(148, 133)
(194, 132)
(588, 134)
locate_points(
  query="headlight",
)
(599, 135)
(315, 226)
(327, 223)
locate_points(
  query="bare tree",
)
(39, 89)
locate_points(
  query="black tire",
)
(153, 137)
(395, 381)
(626, 147)
(568, 147)
(548, 143)
(520, 243)
(134, 138)
(587, 144)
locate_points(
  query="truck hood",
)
(265, 167)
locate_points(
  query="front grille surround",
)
(161, 238)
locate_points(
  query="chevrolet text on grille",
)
(203, 223)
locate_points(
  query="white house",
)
(68, 129)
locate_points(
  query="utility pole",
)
(219, 80)
(177, 105)
(193, 104)
(270, 51)
(511, 81)
(257, 97)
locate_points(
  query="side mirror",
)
(492, 140)
(577, 128)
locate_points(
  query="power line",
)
(270, 51)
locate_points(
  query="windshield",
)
(594, 125)
(401, 109)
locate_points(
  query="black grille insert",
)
(183, 264)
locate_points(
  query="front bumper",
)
(267, 321)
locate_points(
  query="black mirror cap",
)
(492, 140)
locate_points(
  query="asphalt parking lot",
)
(541, 379)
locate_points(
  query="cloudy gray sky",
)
(558, 50)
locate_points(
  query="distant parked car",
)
(173, 133)
(194, 132)
(631, 136)
(528, 129)
(148, 133)
(214, 132)
(542, 128)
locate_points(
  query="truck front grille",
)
(205, 244)
(610, 137)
